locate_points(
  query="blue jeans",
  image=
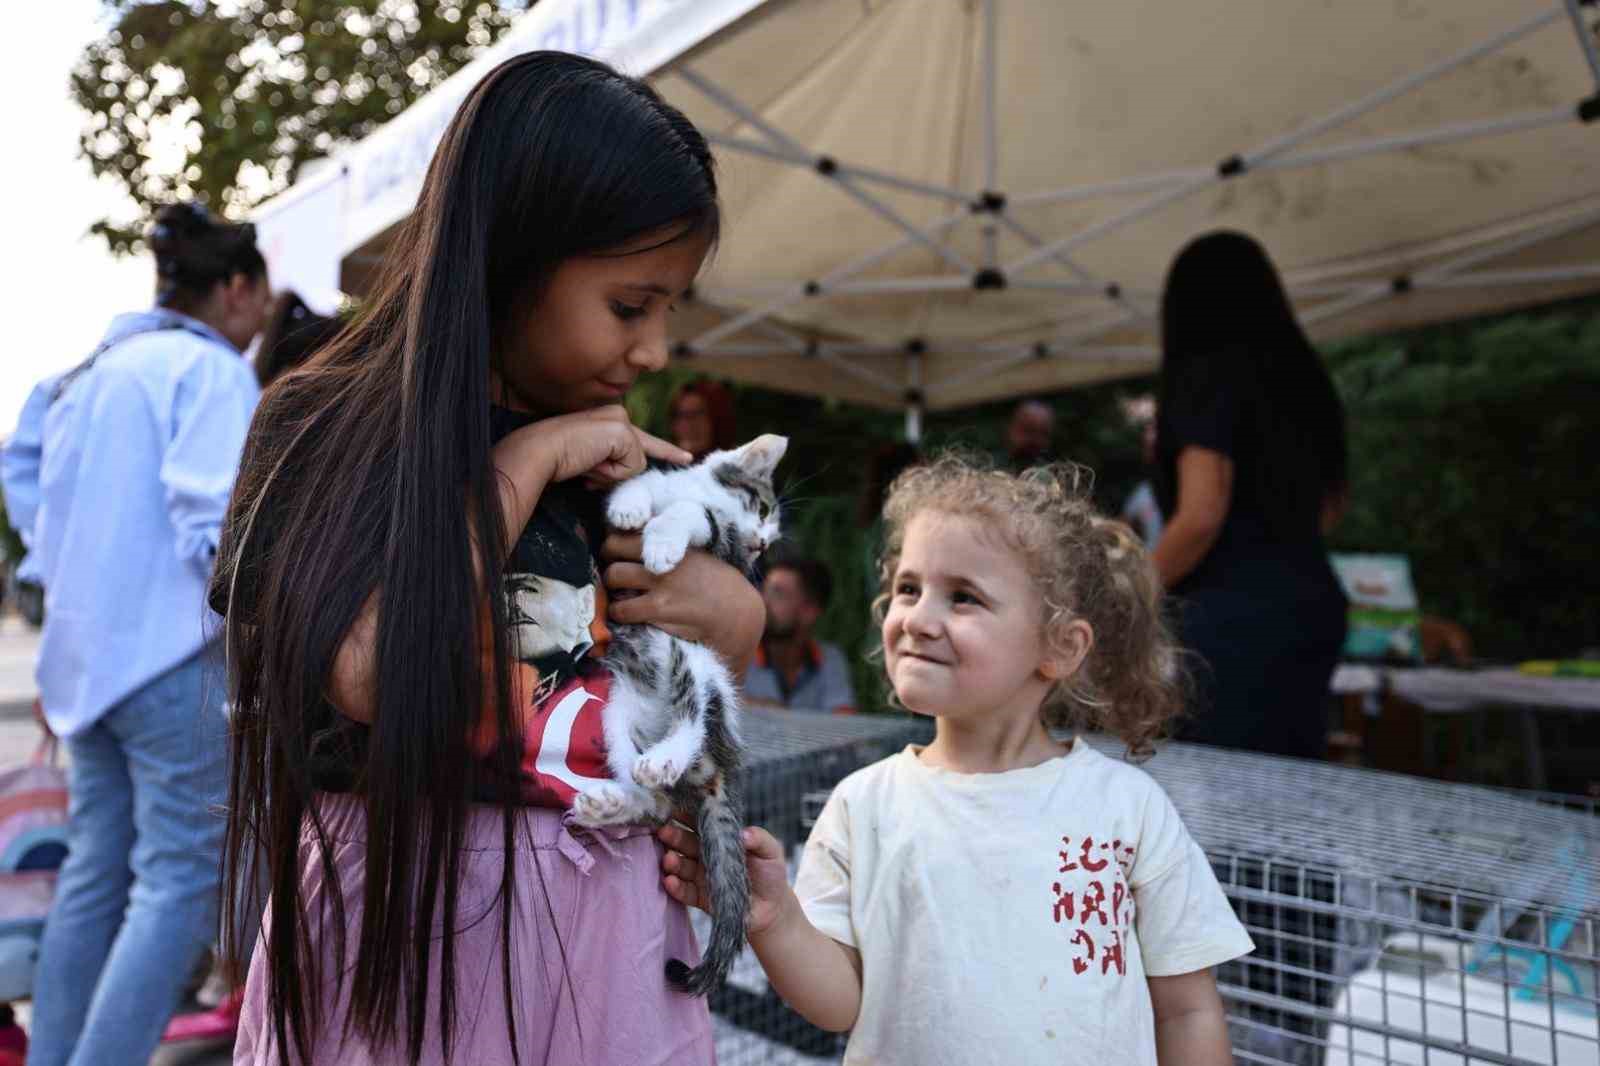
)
(136, 900)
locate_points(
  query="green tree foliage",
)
(1473, 450)
(227, 99)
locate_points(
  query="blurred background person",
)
(141, 444)
(1030, 434)
(1250, 449)
(793, 669)
(1142, 510)
(293, 332)
(701, 418)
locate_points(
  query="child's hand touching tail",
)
(769, 874)
(819, 977)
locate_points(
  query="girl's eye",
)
(963, 597)
(626, 312)
(905, 588)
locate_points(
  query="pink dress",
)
(591, 933)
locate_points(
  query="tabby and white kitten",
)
(672, 722)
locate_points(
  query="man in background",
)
(1030, 435)
(792, 668)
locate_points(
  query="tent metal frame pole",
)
(860, 373)
(1439, 276)
(888, 214)
(866, 174)
(1538, 235)
(1459, 131)
(1077, 269)
(733, 105)
(1110, 289)
(1056, 286)
(1283, 143)
(1331, 278)
(1050, 249)
(990, 65)
(742, 351)
(1141, 183)
(1016, 355)
(740, 321)
(1362, 296)
(768, 328)
(1512, 277)
(798, 293)
(1454, 132)
(1130, 352)
(843, 348)
(1591, 53)
(1329, 288)
(1356, 108)
(914, 397)
(934, 283)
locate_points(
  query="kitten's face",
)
(745, 475)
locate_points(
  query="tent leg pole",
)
(1585, 39)
(914, 423)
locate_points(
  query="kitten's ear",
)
(760, 457)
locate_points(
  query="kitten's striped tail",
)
(722, 854)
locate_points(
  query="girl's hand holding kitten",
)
(703, 599)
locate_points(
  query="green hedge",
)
(1473, 449)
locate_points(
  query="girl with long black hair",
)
(1250, 452)
(408, 735)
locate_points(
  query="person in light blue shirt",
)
(19, 471)
(140, 446)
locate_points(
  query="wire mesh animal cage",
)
(1397, 921)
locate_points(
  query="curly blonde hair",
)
(1087, 567)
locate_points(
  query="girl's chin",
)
(918, 700)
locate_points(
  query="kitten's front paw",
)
(629, 508)
(606, 803)
(657, 775)
(663, 551)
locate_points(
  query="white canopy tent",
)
(933, 203)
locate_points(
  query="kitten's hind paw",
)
(604, 804)
(656, 775)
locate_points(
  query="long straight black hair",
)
(366, 473)
(1227, 327)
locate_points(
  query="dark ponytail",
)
(194, 252)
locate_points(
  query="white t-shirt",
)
(1011, 918)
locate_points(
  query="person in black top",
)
(1250, 473)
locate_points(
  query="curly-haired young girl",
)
(1001, 896)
